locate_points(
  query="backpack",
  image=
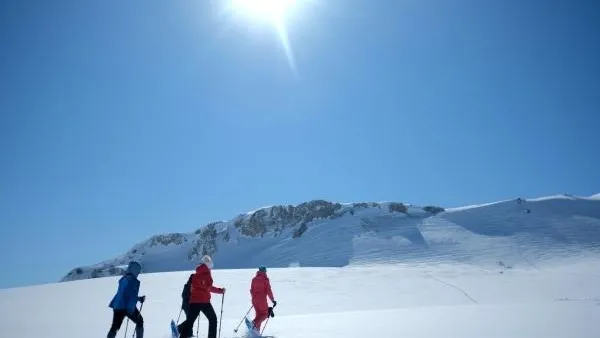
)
(185, 294)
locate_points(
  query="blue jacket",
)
(126, 297)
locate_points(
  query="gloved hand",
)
(271, 313)
(142, 299)
(223, 290)
(274, 303)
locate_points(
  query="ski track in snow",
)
(454, 287)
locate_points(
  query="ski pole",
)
(126, 327)
(264, 327)
(198, 326)
(179, 315)
(221, 318)
(236, 329)
(134, 331)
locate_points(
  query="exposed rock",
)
(257, 224)
(298, 232)
(73, 274)
(113, 271)
(317, 209)
(226, 237)
(239, 221)
(360, 205)
(209, 225)
(167, 239)
(398, 207)
(278, 218)
(206, 243)
(432, 209)
(98, 272)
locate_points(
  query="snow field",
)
(391, 300)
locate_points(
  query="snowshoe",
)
(253, 331)
(174, 331)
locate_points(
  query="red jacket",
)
(261, 287)
(202, 285)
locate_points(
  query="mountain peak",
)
(324, 233)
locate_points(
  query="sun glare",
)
(273, 10)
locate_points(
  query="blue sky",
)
(123, 119)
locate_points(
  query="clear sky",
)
(123, 119)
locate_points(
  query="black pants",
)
(194, 310)
(119, 315)
(186, 311)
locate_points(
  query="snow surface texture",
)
(392, 300)
(518, 233)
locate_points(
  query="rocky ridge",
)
(265, 222)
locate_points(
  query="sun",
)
(274, 12)
(271, 10)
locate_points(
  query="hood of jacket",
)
(202, 269)
(261, 275)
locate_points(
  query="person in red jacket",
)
(200, 290)
(260, 289)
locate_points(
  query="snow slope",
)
(390, 300)
(517, 268)
(519, 232)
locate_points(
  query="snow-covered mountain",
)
(532, 263)
(325, 234)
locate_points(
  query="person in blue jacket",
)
(125, 300)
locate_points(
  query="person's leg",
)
(186, 328)
(211, 316)
(260, 318)
(256, 305)
(186, 311)
(261, 309)
(137, 318)
(118, 316)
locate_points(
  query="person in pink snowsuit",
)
(260, 289)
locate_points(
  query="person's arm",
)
(130, 294)
(217, 290)
(270, 292)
